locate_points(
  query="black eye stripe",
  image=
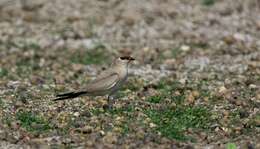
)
(124, 58)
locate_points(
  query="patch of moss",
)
(231, 146)
(126, 112)
(97, 55)
(173, 53)
(23, 45)
(96, 111)
(121, 111)
(235, 117)
(134, 84)
(176, 52)
(173, 123)
(113, 111)
(7, 120)
(166, 89)
(1, 102)
(32, 122)
(31, 45)
(155, 99)
(25, 66)
(125, 129)
(256, 121)
(3, 72)
(208, 2)
(168, 85)
(70, 124)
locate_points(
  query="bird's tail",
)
(69, 95)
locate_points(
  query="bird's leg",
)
(110, 101)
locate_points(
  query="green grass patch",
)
(231, 146)
(114, 111)
(155, 99)
(125, 129)
(176, 52)
(1, 103)
(173, 123)
(208, 2)
(31, 46)
(96, 111)
(7, 120)
(97, 55)
(235, 117)
(166, 89)
(31, 62)
(258, 77)
(3, 72)
(65, 130)
(257, 118)
(32, 122)
(126, 112)
(120, 111)
(23, 45)
(133, 84)
(25, 66)
(254, 122)
(168, 85)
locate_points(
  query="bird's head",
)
(125, 60)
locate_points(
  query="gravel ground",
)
(195, 82)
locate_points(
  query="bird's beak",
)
(131, 58)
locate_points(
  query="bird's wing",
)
(103, 83)
(104, 74)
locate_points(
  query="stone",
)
(222, 90)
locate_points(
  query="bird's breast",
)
(122, 74)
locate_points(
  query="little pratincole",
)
(107, 83)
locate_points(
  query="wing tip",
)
(70, 95)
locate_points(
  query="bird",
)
(107, 82)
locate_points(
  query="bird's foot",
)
(108, 107)
(110, 103)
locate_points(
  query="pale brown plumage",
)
(108, 82)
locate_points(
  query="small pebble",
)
(87, 129)
(152, 125)
(190, 99)
(182, 81)
(102, 133)
(185, 48)
(76, 114)
(222, 90)
(195, 93)
(252, 86)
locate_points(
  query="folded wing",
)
(102, 84)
